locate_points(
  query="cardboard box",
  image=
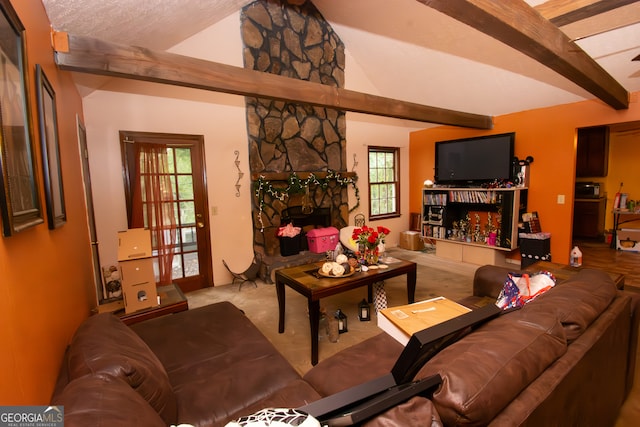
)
(628, 239)
(138, 284)
(323, 239)
(140, 296)
(403, 321)
(411, 240)
(134, 243)
(111, 306)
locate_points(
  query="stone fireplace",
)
(291, 38)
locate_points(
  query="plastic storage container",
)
(323, 239)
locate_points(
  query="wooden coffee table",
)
(305, 280)
(563, 272)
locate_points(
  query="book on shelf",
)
(531, 222)
(403, 321)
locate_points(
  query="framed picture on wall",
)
(49, 145)
(19, 198)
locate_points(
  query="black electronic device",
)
(474, 161)
(425, 344)
(383, 401)
(436, 215)
(363, 401)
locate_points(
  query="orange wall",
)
(547, 134)
(46, 284)
(624, 152)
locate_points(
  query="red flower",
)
(383, 230)
(369, 236)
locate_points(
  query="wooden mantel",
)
(284, 176)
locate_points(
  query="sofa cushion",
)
(367, 360)
(577, 301)
(218, 362)
(104, 345)
(485, 370)
(102, 400)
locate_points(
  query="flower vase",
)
(370, 257)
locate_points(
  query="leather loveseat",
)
(204, 366)
(564, 359)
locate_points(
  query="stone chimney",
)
(291, 38)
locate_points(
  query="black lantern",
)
(342, 321)
(364, 311)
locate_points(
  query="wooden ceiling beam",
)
(518, 25)
(88, 55)
(565, 12)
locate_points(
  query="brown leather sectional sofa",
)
(564, 359)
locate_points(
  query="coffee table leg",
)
(411, 286)
(280, 294)
(314, 321)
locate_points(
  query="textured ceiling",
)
(156, 24)
(407, 50)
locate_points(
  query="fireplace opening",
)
(319, 217)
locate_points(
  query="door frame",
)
(91, 219)
(203, 234)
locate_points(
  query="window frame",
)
(396, 182)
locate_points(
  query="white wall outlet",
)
(561, 199)
(214, 210)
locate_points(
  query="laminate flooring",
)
(597, 254)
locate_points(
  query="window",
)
(384, 184)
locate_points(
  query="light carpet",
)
(436, 277)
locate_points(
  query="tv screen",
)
(475, 160)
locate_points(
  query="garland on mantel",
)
(297, 185)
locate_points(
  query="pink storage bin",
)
(323, 239)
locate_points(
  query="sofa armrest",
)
(633, 340)
(489, 280)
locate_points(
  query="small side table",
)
(172, 300)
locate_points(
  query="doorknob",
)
(200, 224)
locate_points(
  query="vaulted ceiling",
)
(441, 53)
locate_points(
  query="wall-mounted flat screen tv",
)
(473, 161)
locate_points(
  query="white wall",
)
(220, 118)
(366, 130)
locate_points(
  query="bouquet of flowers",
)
(370, 237)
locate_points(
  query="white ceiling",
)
(409, 51)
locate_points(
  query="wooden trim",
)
(563, 12)
(94, 56)
(551, 9)
(520, 26)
